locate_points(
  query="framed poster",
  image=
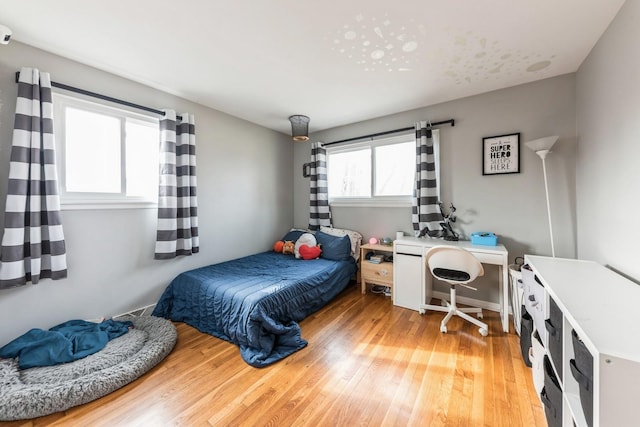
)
(501, 154)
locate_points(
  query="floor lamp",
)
(542, 147)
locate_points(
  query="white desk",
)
(413, 282)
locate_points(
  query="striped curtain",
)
(177, 202)
(33, 246)
(319, 211)
(426, 213)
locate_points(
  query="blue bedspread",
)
(255, 302)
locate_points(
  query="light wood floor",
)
(367, 363)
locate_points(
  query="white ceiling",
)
(338, 62)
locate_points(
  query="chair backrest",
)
(453, 265)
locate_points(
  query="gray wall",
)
(608, 113)
(245, 196)
(512, 206)
(244, 169)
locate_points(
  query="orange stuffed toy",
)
(277, 246)
(288, 247)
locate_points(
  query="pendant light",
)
(299, 127)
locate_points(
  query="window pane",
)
(395, 169)
(350, 174)
(92, 152)
(142, 155)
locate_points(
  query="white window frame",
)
(379, 201)
(91, 201)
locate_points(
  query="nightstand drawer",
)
(378, 273)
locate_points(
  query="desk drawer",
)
(409, 249)
(485, 258)
(378, 273)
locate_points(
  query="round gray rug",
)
(35, 392)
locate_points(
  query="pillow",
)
(293, 235)
(305, 239)
(354, 237)
(334, 247)
(310, 252)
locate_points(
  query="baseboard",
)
(485, 305)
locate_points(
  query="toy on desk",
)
(449, 234)
(430, 233)
(484, 238)
(446, 232)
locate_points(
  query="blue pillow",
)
(293, 235)
(334, 247)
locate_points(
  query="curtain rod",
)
(388, 132)
(102, 97)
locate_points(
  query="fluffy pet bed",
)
(35, 392)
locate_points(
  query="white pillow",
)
(354, 237)
(305, 239)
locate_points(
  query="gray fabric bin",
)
(534, 300)
(554, 335)
(551, 396)
(526, 329)
(582, 371)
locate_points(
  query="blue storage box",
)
(484, 238)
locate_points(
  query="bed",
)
(257, 301)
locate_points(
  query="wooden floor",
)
(367, 363)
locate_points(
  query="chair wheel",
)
(483, 332)
(421, 311)
(443, 329)
(480, 315)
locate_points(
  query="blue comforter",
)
(255, 302)
(66, 342)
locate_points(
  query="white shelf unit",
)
(603, 308)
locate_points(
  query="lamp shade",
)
(542, 144)
(299, 127)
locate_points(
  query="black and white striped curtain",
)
(319, 211)
(33, 246)
(177, 202)
(425, 209)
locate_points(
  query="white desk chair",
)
(455, 266)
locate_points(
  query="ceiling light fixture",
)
(299, 127)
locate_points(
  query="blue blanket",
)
(255, 302)
(63, 343)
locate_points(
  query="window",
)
(374, 173)
(106, 156)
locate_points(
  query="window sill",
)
(77, 205)
(369, 203)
